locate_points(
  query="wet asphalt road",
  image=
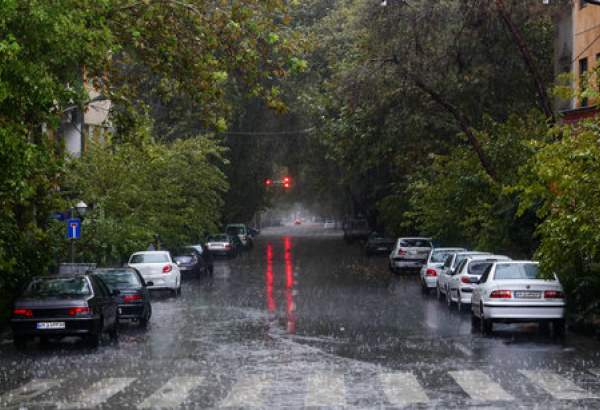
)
(304, 320)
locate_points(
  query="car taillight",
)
(23, 312)
(131, 298)
(554, 294)
(227, 246)
(401, 252)
(501, 294)
(167, 268)
(465, 279)
(430, 272)
(79, 311)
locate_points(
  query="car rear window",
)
(439, 256)
(184, 259)
(218, 238)
(58, 287)
(233, 230)
(121, 279)
(149, 258)
(415, 243)
(506, 271)
(477, 268)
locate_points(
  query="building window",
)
(583, 75)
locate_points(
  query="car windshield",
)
(120, 279)
(218, 238)
(184, 259)
(58, 287)
(460, 258)
(507, 271)
(149, 258)
(415, 243)
(477, 268)
(439, 256)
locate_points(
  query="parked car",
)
(378, 243)
(515, 291)
(189, 264)
(466, 275)
(205, 258)
(329, 224)
(433, 267)
(58, 306)
(253, 232)
(448, 268)
(158, 267)
(222, 244)
(356, 229)
(241, 231)
(297, 222)
(409, 253)
(133, 299)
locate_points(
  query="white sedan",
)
(447, 271)
(467, 274)
(515, 291)
(158, 267)
(431, 270)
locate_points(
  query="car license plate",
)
(527, 294)
(51, 325)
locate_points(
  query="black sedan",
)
(378, 243)
(58, 306)
(134, 298)
(190, 264)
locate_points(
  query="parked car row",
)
(495, 288)
(91, 304)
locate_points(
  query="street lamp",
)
(81, 209)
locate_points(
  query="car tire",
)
(559, 328)
(424, 288)
(485, 325)
(448, 299)
(93, 339)
(113, 333)
(474, 321)
(144, 320)
(20, 342)
(438, 293)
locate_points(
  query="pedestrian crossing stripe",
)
(319, 389)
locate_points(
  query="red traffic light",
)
(268, 181)
(287, 182)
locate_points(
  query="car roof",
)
(519, 262)
(473, 253)
(487, 257)
(149, 252)
(422, 238)
(449, 249)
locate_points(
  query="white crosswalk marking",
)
(31, 390)
(479, 386)
(325, 389)
(247, 392)
(402, 389)
(98, 393)
(557, 386)
(172, 394)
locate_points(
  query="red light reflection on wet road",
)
(289, 284)
(269, 280)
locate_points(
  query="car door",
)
(443, 279)
(478, 288)
(106, 302)
(454, 279)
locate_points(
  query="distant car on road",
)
(133, 299)
(452, 261)
(379, 243)
(409, 253)
(515, 291)
(222, 244)
(58, 306)
(189, 264)
(204, 257)
(159, 268)
(467, 274)
(329, 224)
(297, 222)
(356, 230)
(433, 267)
(241, 230)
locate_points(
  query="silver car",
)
(433, 267)
(409, 253)
(515, 291)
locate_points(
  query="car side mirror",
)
(115, 292)
(150, 283)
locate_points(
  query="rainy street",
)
(305, 320)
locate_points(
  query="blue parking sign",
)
(74, 228)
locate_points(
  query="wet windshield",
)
(123, 279)
(477, 268)
(517, 271)
(218, 238)
(58, 287)
(184, 259)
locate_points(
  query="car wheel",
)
(438, 293)
(93, 339)
(448, 299)
(559, 328)
(144, 320)
(424, 288)
(474, 321)
(486, 326)
(113, 333)
(20, 342)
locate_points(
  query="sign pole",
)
(73, 250)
